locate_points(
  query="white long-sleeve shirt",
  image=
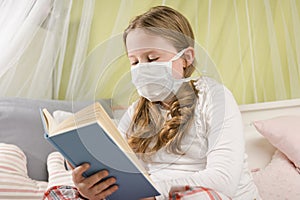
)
(214, 148)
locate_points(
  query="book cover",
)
(91, 143)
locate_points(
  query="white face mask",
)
(154, 80)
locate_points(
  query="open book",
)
(91, 136)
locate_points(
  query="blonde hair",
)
(149, 131)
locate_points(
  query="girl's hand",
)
(177, 189)
(90, 187)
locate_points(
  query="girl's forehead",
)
(139, 40)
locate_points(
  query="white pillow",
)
(60, 115)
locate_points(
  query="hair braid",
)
(148, 136)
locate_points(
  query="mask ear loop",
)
(178, 82)
(178, 55)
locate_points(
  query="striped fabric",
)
(58, 175)
(196, 193)
(14, 181)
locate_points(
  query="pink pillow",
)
(283, 133)
(279, 180)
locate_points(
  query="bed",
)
(272, 130)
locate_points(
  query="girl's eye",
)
(152, 59)
(134, 63)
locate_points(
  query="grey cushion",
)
(20, 124)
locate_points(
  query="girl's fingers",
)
(95, 178)
(78, 171)
(104, 185)
(96, 186)
(178, 189)
(107, 192)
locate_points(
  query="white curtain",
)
(33, 42)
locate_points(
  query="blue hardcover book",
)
(91, 136)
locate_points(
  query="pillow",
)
(14, 181)
(190, 193)
(58, 175)
(279, 180)
(60, 115)
(284, 133)
(20, 124)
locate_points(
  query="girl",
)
(187, 131)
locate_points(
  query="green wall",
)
(251, 42)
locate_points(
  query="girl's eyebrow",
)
(145, 52)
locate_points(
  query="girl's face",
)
(143, 47)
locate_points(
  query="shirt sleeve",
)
(225, 155)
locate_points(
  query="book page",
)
(108, 125)
(49, 121)
(81, 118)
